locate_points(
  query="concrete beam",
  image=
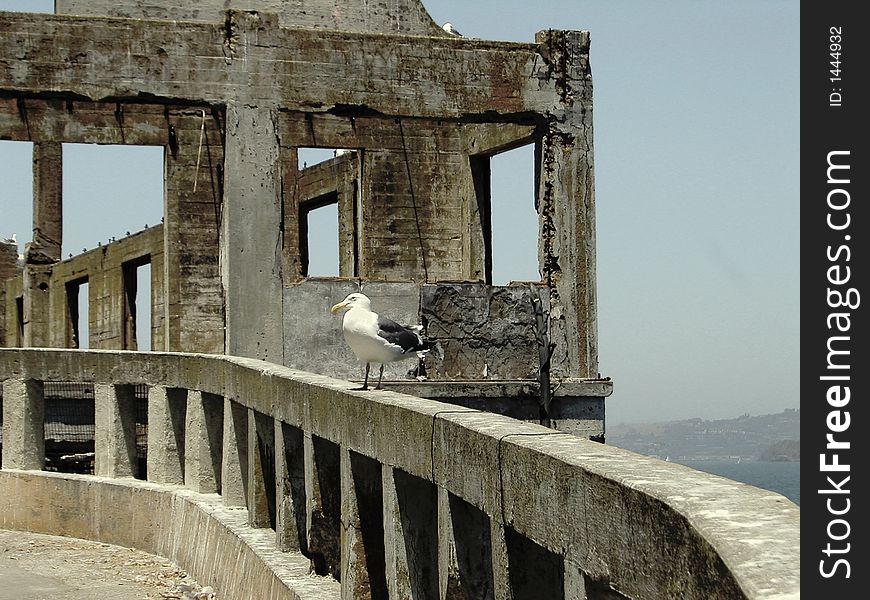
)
(247, 56)
(23, 424)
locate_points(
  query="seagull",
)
(449, 28)
(374, 338)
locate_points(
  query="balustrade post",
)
(410, 535)
(261, 470)
(465, 569)
(204, 442)
(114, 430)
(166, 434)
(362, 528)
(234, 466)
(23, 424)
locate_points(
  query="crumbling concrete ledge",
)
(210, 541)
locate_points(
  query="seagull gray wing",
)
(404, 337)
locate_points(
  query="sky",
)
(696, 108)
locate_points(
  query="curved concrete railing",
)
(272, 483)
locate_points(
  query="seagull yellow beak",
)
(338, 307)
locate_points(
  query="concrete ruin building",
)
(231, 90)
(262, 474)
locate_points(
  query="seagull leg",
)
(365, 384)
(378, 387)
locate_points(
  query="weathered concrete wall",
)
(193, 302)
(398, 17)
(249, 56)
(422, 112)
(14, 312)
(516, 496)
(213, 543)
(103, 269)
(313, 338)
(480, 332)
(418, 216)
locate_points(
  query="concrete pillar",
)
(47, 202)
(234, 466)
(251, 248)
(204, 442)
(166, 434)
(37, 308)
(410, 535)
(114, 430)
(192, 297)
(323, 510)
(290, 531)
(362, 528)
(23, 424)
(348, 215)
(566, 208)
(261, 470)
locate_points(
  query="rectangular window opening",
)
(327, 193)
(19, 321)
(16, 172)
(137, 304)
(505, 186)
(123, 184)
(74, 303)
(319, 237)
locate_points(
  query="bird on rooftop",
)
(11, 240)
(374, 338)
(449, 28)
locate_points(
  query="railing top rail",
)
(647, 526)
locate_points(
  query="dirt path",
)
(36, 567)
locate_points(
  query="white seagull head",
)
(355, 300)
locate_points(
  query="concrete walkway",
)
(37, 567)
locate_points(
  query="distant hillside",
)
(763, 437)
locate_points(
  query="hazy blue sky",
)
(696, 166)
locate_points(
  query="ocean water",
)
(780, 477)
